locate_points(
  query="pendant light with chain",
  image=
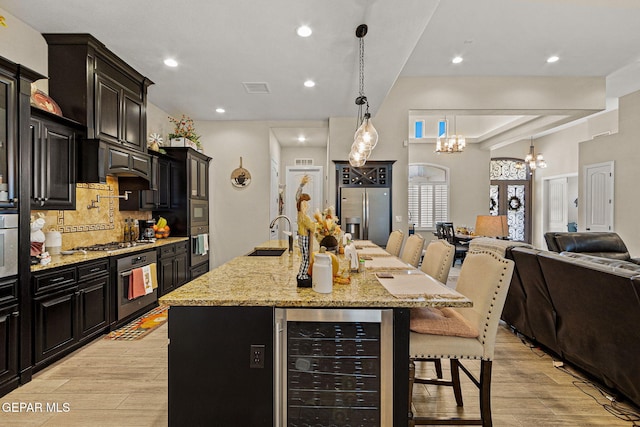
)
(366, 136)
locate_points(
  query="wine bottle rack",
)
(333, 374)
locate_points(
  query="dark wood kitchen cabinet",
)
(54, 323)
(93, 299)
(53, 145)
(159, 194)
(9, 322)
(71, 305)
(173, 270)
(189, 191)
(96, 88)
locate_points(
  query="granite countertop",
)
(76, 258)
(271, 281)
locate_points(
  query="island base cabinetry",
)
(211, 381)
(263, 366)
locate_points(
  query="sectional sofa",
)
(584, 309)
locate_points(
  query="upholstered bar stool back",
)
(394, 244)
(412, 251)
(437, 260)
(484, 279)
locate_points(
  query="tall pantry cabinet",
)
(15, 168)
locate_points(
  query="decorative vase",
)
(329, 242)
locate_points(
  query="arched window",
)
(428, 195)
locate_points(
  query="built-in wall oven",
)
(8, 245)
(124, 268)
(334, 367)
(199, 245)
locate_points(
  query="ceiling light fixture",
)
(304, 31)
(301, 138)
(366, 136)
(170, 62)
(457, 60)
(220, 110)
(532, 160)
(309, 83)
(452, 143)
(552, 59)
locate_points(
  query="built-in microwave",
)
(199, 213)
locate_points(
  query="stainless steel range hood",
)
(97, 159)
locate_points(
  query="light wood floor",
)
(124, 383)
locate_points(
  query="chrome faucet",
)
(289, 233)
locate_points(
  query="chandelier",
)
(451, 144)
(366, 136)
(533, 160)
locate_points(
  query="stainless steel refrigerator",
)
(366, 213)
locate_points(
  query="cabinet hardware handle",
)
(15, 314)
(93, 270)
(57, 279)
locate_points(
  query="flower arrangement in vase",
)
(184, 133)
(327, 230)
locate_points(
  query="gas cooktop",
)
(112, 246)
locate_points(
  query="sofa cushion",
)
(441, 321)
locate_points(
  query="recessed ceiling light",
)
(553, 59)
(304, 31)
(301, 138)
(220, 110)
(457, 60)
(309, 83)
(170, 62)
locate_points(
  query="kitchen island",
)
(228, 357)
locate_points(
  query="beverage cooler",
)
(333, 367)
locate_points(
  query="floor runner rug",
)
(138, 328)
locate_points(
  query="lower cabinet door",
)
(166, 275)
(94, 306)
(8, 347)
(54, 323)
(181, 263)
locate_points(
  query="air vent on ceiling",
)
(256, 87)
(304, 162)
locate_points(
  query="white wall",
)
(623, 148)
(23, 45)
(239, 217)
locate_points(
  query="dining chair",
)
(463, 333)
(394, 243)
(440, 230)
(461, 248)
(412, 251)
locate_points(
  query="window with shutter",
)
(428, 195)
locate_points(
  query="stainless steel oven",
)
(124, 268)
(199, 245)
(8, 245)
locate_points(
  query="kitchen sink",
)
(267, 252)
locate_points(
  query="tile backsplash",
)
(85, 226)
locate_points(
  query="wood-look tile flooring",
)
(124, 383)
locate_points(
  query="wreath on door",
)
(514, 203)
